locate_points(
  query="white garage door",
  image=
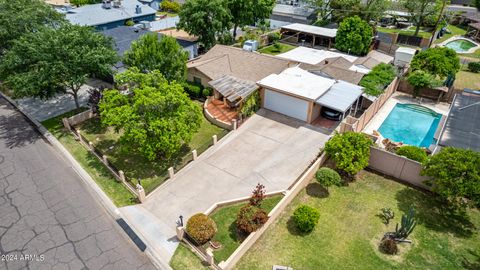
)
(293, 107)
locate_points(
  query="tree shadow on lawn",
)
(433, 214)
(473, 263)
(93, 126)
(316, 190)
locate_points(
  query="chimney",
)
(138, 10)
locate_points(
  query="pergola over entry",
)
(341, 97)
(233, 89)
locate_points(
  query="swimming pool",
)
(461, 45)
(411, 124)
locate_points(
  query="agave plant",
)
(407, 225)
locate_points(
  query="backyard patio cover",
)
(341, 96)
(232, 88)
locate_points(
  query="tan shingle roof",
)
(225, 60)
(337, 68)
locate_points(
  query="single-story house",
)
(462, 127)
(309, 35)
(302, 94)
(226, 60)
(155, 4)
(109, 14)
(123, 37)
(337, 68)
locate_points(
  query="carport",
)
(342, 97)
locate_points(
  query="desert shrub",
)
(201, 228)
(474, 67)
(251, 105)
(328, 177)
(170, 6)
(306, 217)
(206, 92)
(193, 90)
(388, 246)
(350, 151)
(250, 218)
(412, 152)
(274, 37)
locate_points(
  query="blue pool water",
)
(411, 124)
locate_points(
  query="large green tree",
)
(248, 12)
(164, 54)
(420, 79)
(56, 60)
(20, 17)
(420, 10)
(340, 9)
(205, 19)
(354, 36)
(455, 174)
(438, 61)
(156, 119)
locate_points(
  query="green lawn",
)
(134, 165)
(467, 79)
(409, 31)
(349, 231)
(115, 190)
(273, 51)
(160, 13)
(456, 31)
(227, 231)
(185, 259)
(475, 55)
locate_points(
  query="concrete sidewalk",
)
(269, 148)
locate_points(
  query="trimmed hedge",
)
(201, 228)
(474, 67)
(306, 217)
(328, 177)
(412, 152)
(196, 90)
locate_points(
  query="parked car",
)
(331, 114)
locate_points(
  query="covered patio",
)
(342, 97)
(308, 35)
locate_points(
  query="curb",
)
(93, 188)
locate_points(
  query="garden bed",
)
(135, 166)
(349, 230)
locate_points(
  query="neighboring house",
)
(109, 14)
(337, 68)
(226, 60)
(125, 35)
(303, 95)
(155, 4)
(288, 12)
(462, 127)
(58, 3)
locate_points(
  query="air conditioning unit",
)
(117, 3)
(106, 4)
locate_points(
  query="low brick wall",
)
(396, 166)
(214, 120)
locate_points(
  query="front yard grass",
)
(225, 219)
(115, 190)
(273, 51)
(349, 230)
(185, 259)
(134, 165)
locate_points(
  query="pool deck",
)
(398, 97)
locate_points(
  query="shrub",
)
(206, 92)
(251, 105)
(250, 218)
(201, 228)
(328, 177)
(388, 246)
(277, 47)
(274, 37)
(474, 67)
(377, 79)
(350, 151)
(420, 79)
(258, 194)
(170, 6)
(129, 23)
(455, 175)
(412, 152)
(193, 90)
(306, 217)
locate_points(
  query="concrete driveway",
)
(269, 148)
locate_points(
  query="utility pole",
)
(444, 3)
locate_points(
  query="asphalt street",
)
(48, 218)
